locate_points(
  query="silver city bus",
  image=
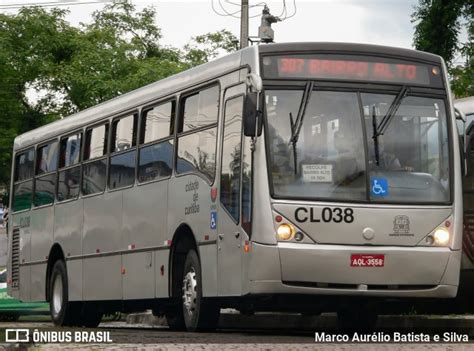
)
(286, 177)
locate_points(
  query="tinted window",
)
(22, 195)
(124, 133)
(94, 177)
(156, 123)
(197, 152)
(96, 142)
(122, 170)
(70, 150)
(69, 183)
(201, 109)
(24, 165)
(231, 157)
(47, 159)
(44, 189)
(155, 161)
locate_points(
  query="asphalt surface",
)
(142, 337)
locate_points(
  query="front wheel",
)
(199, 313)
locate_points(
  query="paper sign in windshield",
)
(317, 173)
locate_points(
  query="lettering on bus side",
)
(193, 187)
(326, 215)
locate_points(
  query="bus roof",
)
(168, 86)
(129, 101)
(368, 49)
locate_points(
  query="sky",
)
(366, 21)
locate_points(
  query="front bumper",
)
(325, 269)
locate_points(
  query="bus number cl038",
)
(327, 215)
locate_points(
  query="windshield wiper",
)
(296, 125)
(375, 136)
(383, 125)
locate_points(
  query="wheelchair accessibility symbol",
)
(213, 220)
(379, 187)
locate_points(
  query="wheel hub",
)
(57, 300)
(190, 292)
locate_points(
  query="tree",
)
(437, 31)
(74, 68)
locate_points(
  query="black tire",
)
(194, 313)
(63, 312)
(205, 314)
(91, 315)
(174, 317)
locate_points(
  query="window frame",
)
(171, 137)
(105, 122)
(360, 88)
(221, 142)
(32, 179)
(36, 176)
(179, 122)
(66, 168)
(111, 139)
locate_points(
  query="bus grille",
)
(16, 258)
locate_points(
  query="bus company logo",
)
(17, 335)
(401, 225)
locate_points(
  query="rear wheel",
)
(63, 312)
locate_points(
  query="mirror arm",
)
(258, 115)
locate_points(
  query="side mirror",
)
(252, 115)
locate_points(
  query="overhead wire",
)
(51, 4)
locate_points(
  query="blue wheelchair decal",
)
(379, 187)
(213, 219)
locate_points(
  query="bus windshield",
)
(335, 155)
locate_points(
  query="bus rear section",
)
(363, 197)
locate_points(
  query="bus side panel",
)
(42, 227)
(161, 259)
(102, 278)
(144, 226)
(68, 234)
(22, 221)
(190, 203)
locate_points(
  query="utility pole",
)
(244, 24)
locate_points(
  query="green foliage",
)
(75, 68)
(437, 31)
(210, 45)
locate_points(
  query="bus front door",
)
(230, 235)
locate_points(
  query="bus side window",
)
(69, 168)
(94, 168)
(197, 133)
(45, 180)
(231, 157)
(155, 158)
(123, 153)
(23, 180)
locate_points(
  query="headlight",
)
(441, 236)
(285, 231)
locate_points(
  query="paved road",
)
(3, 248)
(141, 337)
